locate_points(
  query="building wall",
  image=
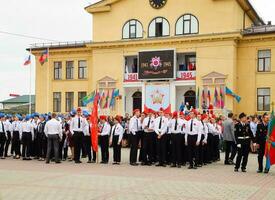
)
(212, 16)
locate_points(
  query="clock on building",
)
(157, 3)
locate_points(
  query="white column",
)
(173, 96)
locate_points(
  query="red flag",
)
(27, 61)
(94, 124)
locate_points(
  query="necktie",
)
(160, 123)
(78, 122)
(176, 125)
(3, 128)
(191, 127)
(137, 125)
(114, 130)
(149, 121)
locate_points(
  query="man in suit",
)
(229, 140)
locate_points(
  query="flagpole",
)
(48, 77)
(30, 91)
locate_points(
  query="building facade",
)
(205, 45)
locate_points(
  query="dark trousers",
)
(215, 148)
(16, 143)
(210, 139)
(242, 156)
(168, 149)
(161, 149)
(154, 147)
(2, 143)
(147, 147)
(133, 148)
(63, 151)
(261, 152)
(53, 144)
(192, 150)
(41, 145)
(184, 151)
(26, 144)
(230, 151)
(104, 146)
(202, 151)
(7, 143)
(140, 135)
(117, 149)
(176, 148)
(87, 145)
(77, 139)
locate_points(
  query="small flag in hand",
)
(44, 57)
(27, 60)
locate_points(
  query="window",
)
(131, 63)
(132, 29)
(82, 69)
(69, 69)
(159, 27)
(187, 24)
(263, 99)
(264, 61)
(186, 61)
(81, 95)
(69, 101)
(57, 102)
(57, 70)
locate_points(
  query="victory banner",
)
(156, 97)
(156, 64)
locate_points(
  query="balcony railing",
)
(181, 76)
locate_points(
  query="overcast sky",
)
(60, 20)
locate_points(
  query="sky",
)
(54, 20)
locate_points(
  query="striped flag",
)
(44, 57)
(27, 60)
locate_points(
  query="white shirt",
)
(133, 125)
(53, 127)
(3, 128)
(253, 127)
(193, 127)
(204, 131)
(151, 126)
(27, 126)
(105, 130)
(74, 124)
(117, 130)
(163, 121)
(178, 128)
(7, 125)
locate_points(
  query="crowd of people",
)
(162, 139)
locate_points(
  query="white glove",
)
(239, 145)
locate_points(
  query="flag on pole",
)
(270, 143)
(44, 57)
(221, 95)
(209, 97)
(216, 99)
(27, 60)
(198, 99)
(232, 94)
(94, 124)
(106, 100)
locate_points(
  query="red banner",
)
(94, 125)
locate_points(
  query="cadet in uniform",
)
(161, 125)
(8, 131)
(148, 126)
(3, 135)
(243, 136)
(26, 136)
(192, 140)
(133, 129)
(15, 135)
(77, 127)
(104, 139)
(115, 140)
(261, 134)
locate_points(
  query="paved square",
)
(34, 180)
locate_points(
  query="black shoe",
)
(163, 165)
(244, 170)
(57, 162)
(102, 162)
(29, 159)
(3, 157)
(190, 167)
(89, 161)
(143, 164)
(24, 158)
(195, 167)
(236, 170)
(77, 161)
(174, 165)
(134, 164)
(93, 161)
(259, 171)
(47, 162)
(266, 171)
(158, 165)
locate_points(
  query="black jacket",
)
(261, 133)
(243, 134)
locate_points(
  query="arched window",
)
(132, 29)
(159, 27)
(187, 24)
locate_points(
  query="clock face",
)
(157, 3)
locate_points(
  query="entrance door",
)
(190, 97)
(137, 100)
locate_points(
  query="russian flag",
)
(27, 60)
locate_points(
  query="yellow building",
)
(195, 44)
